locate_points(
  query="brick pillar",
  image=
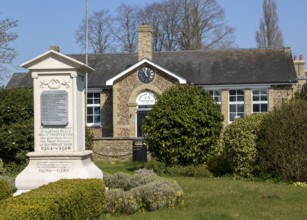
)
(224, 106)
(248, 101)
(144, 42)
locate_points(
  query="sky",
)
(42, 23)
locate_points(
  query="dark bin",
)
(139, 154)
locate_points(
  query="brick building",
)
(122, 89)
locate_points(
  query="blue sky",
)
(54, 22)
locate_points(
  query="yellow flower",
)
(178, 193)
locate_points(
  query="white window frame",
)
(93, 106)
(236, 102)
(217, 98)
(260, 101)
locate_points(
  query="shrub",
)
(89, 139)
(5, 189)
(218, 165)
(10, 180)
(157, 166)
(1, 166)
(65, 199)
(16, 125)
(146, 191)
(16, 105)
(283, 145)
(126, 182)
(183, 127)
(190, 170)
(239, 142)
(200, 170)
(303, 93)
(16, 140)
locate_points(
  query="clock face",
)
(146, 74)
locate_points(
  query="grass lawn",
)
(225, 198)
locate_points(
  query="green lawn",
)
(225, 198)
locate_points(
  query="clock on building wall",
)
(146, 74)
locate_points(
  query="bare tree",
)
(170, 22)
(152, 15)
(125, 29)
(188, 25)
(203, 26)
(269, 34)
(177, 25)
(99, 33)
(7, 52)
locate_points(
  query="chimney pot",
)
(294, 58)
(55, 48)
(301, 57)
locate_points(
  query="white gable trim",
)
(141, 62)
(52, 53)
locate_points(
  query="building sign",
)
(146, 98)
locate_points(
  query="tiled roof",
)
(215, 67)
(20, 80)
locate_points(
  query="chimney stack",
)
(55, 48)
(299, 66)
(145, 41)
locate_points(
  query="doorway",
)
(144, 101)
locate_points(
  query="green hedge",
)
(282, 146)
(5, 189)
(65, 199)
(16, 105)
(240, 144)
(16, 140)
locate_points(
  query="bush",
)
(1, 166)
(16, 105)
(190, 170)
(157, 166)
(16, 140)
(219, 165)
(183, 127)
(302, 95)
(200, 170)
(16, 125)
(239, 143)
(10, 180)
(126, 182)
(283, 146)
(89, 139)
(65, 199)
(145, 191)
(5, 189)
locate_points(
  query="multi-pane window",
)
(93, 108)
(216, 95)
(260, 100)
(236, 104)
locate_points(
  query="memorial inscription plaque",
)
(54, 108)
(55, 139)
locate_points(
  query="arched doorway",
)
(144, 102)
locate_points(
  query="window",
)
(93, 108)
(260, 100)
(216, 95)
(236, 104)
